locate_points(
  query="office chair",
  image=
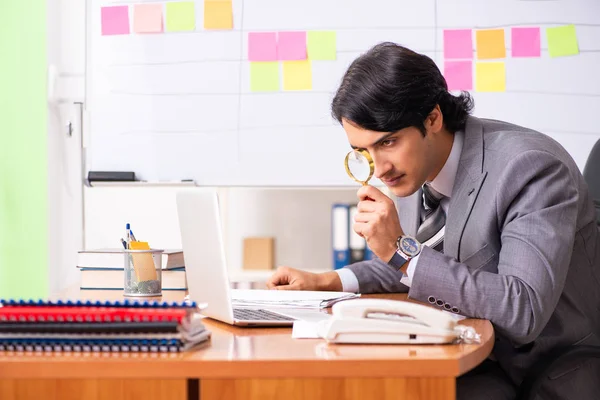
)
(537, 376)
(591, 174)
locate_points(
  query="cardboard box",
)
(259, 253)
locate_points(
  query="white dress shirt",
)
(443, 184)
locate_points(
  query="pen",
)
(132, 236)
(127, 234)
(124, 244)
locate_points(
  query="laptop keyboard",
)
(248, 314)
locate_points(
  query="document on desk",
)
(287, 298)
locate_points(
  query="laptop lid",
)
(203, 251)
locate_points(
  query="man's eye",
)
(387, 142)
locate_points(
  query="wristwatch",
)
(408, 248)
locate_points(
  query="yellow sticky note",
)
(297, 75)
(143, 263)
(490, 77)
(218, 14)
(181, 16)
(264, 76)
(321, 45)
(490, 44)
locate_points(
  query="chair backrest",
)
(591, 174)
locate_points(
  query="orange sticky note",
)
(143, 263)
(218, 14)
(490, 44)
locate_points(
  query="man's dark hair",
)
(391, 87)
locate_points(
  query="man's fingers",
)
(366, 206)
(371, 192)
(284, 287)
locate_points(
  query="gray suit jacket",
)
(521, 247)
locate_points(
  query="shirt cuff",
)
(349, 280)
(410, 271)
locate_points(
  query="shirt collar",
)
(444, 181)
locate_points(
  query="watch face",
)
(410, 246)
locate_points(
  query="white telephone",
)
(391, 321)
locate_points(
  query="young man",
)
(491, 221)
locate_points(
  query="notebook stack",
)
(122, 326)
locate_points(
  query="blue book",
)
(340, 231)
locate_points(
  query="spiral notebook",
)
(122, 326)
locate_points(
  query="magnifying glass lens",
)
(359, 166)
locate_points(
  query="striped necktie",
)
(433, 219)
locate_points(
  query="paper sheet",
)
(218, 14)
(262, 46)
(458, 43)
(305, 330)
(297, 75)
(115, 20)
(264, 76)
(562, 41)
(321, 45)
(288, 298)
(291, 46)
(490, 44)
(181, 16)
(525, 42)
(490, 77)
(147, 18)
(459, 75)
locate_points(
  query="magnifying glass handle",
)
(368, 198)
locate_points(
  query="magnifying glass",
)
(359, 166)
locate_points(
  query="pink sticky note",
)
(147, 18)
(459, 75)
(115, 20)
(291, 46)
(458, 43)
(262, 46)
(525, 42)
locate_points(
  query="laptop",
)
(205, 265)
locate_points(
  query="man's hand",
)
(377, 221)
(286, 278)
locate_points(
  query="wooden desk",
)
(246, 363)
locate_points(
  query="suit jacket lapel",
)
(469, 178)
(409, 209)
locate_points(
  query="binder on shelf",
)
(339, 234)
(357, 244)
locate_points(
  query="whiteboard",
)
(178, 105)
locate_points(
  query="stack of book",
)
(122, 326)
(102, 269)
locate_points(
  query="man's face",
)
(403, 160)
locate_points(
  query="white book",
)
(114, 258)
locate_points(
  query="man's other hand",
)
(286, 278)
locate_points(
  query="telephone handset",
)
(390, 321)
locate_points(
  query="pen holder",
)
(142, 270)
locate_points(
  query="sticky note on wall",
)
(490, 44)
(262, 46)
(181, 16)
(562, 41)
(458, 43)
(490, 77)
(264, 76)
(115, 20)
(291, 46)
(525, 42)
(218, 14)
(148, 18)
(459, 75)
(297, 75)
(321, 45)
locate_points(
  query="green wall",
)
(23, 154)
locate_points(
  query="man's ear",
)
(435, 120)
